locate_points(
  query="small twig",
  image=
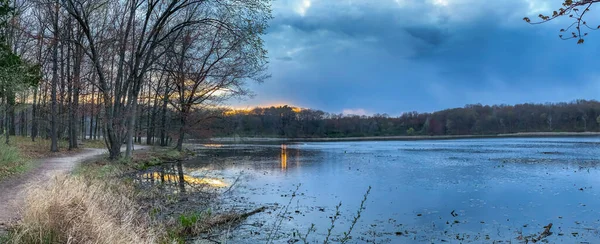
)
(347, 235)
(333, 220)
(277, 225)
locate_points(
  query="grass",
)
(13, 161)
(20, 155)
(169, 222)
(98, 205)
(103, 168)
(77, 210)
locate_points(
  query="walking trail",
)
(12, 191)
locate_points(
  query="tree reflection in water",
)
(172, 178)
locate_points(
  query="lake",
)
(470, 190)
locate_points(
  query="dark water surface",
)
(499, 189)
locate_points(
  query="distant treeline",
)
(477, 119)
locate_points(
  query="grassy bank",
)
(102, 203)
(13, 161)
(22, 154)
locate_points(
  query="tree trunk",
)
(179, 146)
(7, 121)
(152, 121)
(11, 112)
(61, 93)
(92, 113)
(131, 126)
(34, 124)
(75, 79)
(163, 130)
(69, 103)
(54, 138)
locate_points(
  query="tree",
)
(571, 9)
(212, 63)
(124, 39)
(16, 74)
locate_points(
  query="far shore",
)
(399, 138)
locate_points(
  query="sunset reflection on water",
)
(214, 182)
(283, 157)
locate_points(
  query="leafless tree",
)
(210, 64)
(123, 39)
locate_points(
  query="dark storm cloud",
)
(430, 35)
(397, 56)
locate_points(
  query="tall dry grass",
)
(72, 209)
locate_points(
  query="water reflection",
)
(500, 189)
(212, 145)
(186, 179)
(172, 176)
(283, 157)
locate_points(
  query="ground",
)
(12, 189)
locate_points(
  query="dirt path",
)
(11, 191)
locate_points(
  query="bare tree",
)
(132, 35)
(211, 64)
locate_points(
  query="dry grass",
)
(98, 205)
(75, 210)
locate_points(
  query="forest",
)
(476, 119)
(117, 70)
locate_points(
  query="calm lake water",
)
(479, 190)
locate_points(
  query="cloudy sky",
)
(394, 56)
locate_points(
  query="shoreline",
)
(400, 138)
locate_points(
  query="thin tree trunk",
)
(75, 97)
(182, 120)
(92, 114)
(34, 124)
(152, 121)
(163, 130)
(54, 143)
(131, 126)
(11, 112)
(7, 121)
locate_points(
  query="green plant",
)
(4, 237)
(173, 154)
(12, 161)
(188, 220)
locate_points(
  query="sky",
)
(394, 56)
